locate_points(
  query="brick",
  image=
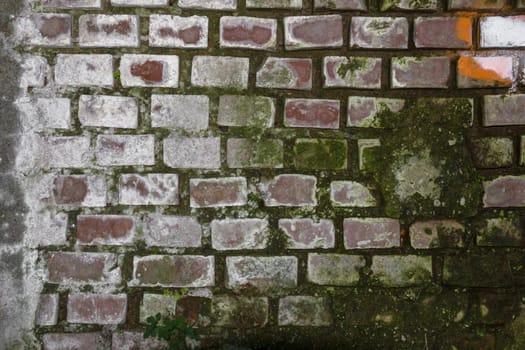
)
(476, 4)
(502, 31)
(172, 231)
(401, 271)
(481, 72)
(249, 153)
(39, 114)
(65, 152)
(389, 5)
(208, 4)
(34, 71)
(220, 72)
(501, 232)
(274, 4)
(186, 112)
(122, 150)
(140, 3)
(503, 110)
(485, 269)
(178, 32)
(149, 189)
(504, 191)
(289, 190)
(82, 268)
(307, 32)
(96, 308)
(47, 310)
(307, 234)
(105, 229)
(334, 269)
(73, 4)
(237, 234)
(248, 111)
(135, 341)
(437, 234)
(262, 274)
(351, 194)
(285, 73)
(420, 72)
(443, 32)
(45, 29)
(195, 309)
(149, 71)
(341, 4)
(492, 152)
(79, 190)
(371, 233)
(189, 271)
(47, 230)
(218, 192)
(303, 310)
(379, 32)
(248, 33)
(109, 31)
(363, 111)
(192, 152)
(225, 311)
(84, 70)
(153, 304)
(321, 154)
(77, 341)
(312, 113)
(352, 72)
(108, 111)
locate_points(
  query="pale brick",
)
(153, 304)
(136, 341)
(352, 72)
(248, 32)
(307, 234)
(504, 110)
(45, 29)
(73, 4)
(121, 150)
(172, 231)
(218, 192)
(370, 233)
(108, 111)
(420, 72)
(274, 4)
(79, 190)
(208, 4)
(249, 111)
(401, 271)
(149, 189)
(436, 234)
(379, 32)
(220, 72)
(363, 111)
(39, 114)
(77, 341)
(34, 71)
(306, 32)
(109, 31)
(484, 72)
(285, 73)
(186, 112)
(149, 71)
(96, 308)
(249, 153)
(303, 310)
(84, 70)
(47, 310)
(341, 4)
(140, 3)
(502, 31)
(82, 268)
(178, 32)
(504, 191)
(312, 113)
(289, 190)
(65, 152)
(192, 153)
(47, 230)
(351, 194)
(237, 234)
(334, 269)
(105, 230)
(225, 311)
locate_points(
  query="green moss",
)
(353, 65)
(321, 154)
(250, 153)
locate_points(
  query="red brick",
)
(248, 33)
(109, 31)
(504, 110)
(289, 190)
(65, 152)
(476, 4)
(84, 70)
(420, 72)
(80, 268)
(149, 70)
(47, 310)
(226, 309)
(96, 308)
(352, 72)
(185, 112)
(135, 341)
(218, 192)
(237, 234)
(446, 32)
(105, 229)
(149, 189)
(312, 113)
(76, 341)
(504, 191)
(371, 233)
(303, 310)
(481, 72)
(208, 4)
(436, 234)
(351, 194)
(108, 111)
(363, 111)
(80, 190)
(307, 234)
(250, 153)
(73, 4)
(502, 31)
(334, 269)
(306, 32)
(172, 231)
(285, 73)
(192, 152)
(274, 4)
(45, 29)
(121, 150)
(178, 32)
(341, 4)
(140, 3)
(220, 72)
(379, 32)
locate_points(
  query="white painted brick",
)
(172, 231)
(140, 3)
(221, 72)
(150, 189)
(149, 70)
(38, 114)
(192, 153)
(186, 112)
(121, 150)
(84, 70)
(109, 31)
(177, 31)
(73, 4)
(209, 4)
(502, 31)
(236, 234)
(79, 191)
(45, 29)
(34, 71)
(108, 111)
(65, 152)
(274, 4)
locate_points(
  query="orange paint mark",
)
(464, 29)
(469, 67)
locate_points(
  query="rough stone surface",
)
(334, 269)
(151, 189)
(185, 112)
(299, 310)
(172, 231)
(240, 312)
(437, 234)
(402, 270)
(108, 111)
(192, 152)
(84, 70)
(220, 72)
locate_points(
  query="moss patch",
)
(321, 154)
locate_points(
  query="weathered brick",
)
(306, 32)
(274, 4)
(476, 4)
(172, 231)
(504, 191)
(105, 229)
(149, 70)
(135, 341)
(303, 310)
(38, 114)
(370, 233)
(108, 111)
(47, 310)
(334, 269)
(379, 32)
(389, 5)
(363, 111)
(492, 152)
(65, 152)
(208, 4)
(73, 4)
(121, 150)
(289, 190)
(237, 234)
(149, 189)
(47, 230)
(352, 72)
(307, 234)
(174, 271)
(263, 274)
(420, 72)
(522, 150)
(446, 32)
(502, 31)
(249, 153)
(77, 341)
(156, 303)
(503, 110)
(192, 152)
(501, 232)
(82, 268)
(437, 234)
(285, 73)
(351, 194)
(96, 308)
(178, 32)
(249, 111)
(477, 270)
(474, 72)
(220, 72)
(312, 113)
(34, 71)
(79, 190)
(45, 29)
(218, 192)
(248, 32)
(109, 31)
(341, 4)
(401, 270)
(84, 70)
(321, 154)
(140, 3)
(185, 112)
(226, 310)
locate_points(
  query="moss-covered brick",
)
(321, 154)
(251, 153)
(477, 270)
(246, 111)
